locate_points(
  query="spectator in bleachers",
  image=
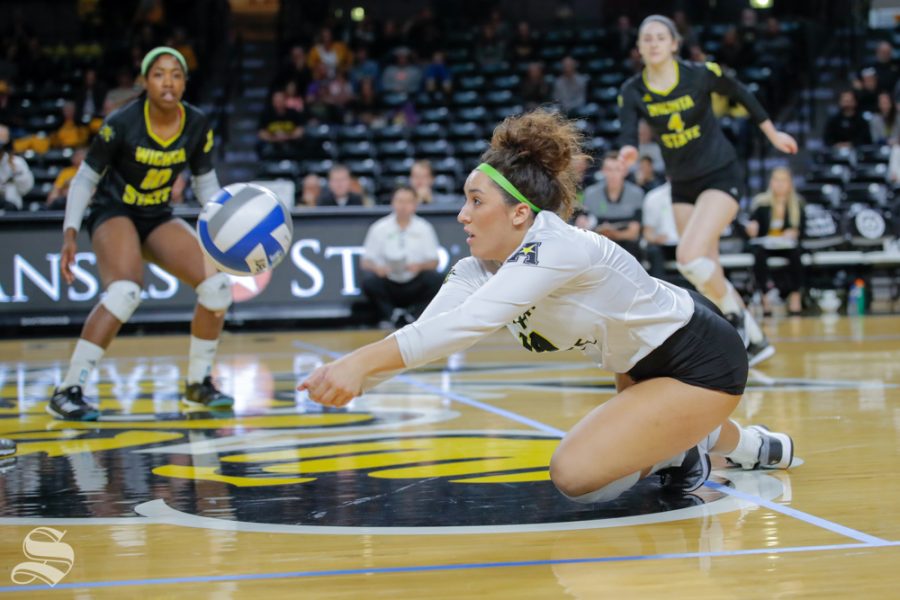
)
(292, 97)
(125, 91)
(16, 179)
(339, 192)
(421, 179)
(296, 69)
(523, 47)
(71, 133)
(623, 38)
(310, 190)
(317, 107)
(867, 92)
(616, 205)
(885, 66)
(401, 77)
(847, 127)
(684, 27)
(749, 28)
(647, 146)
(280, 130)
(365, 105)
(534, 89)
(332, 53)
(337, 95)
(424, 32)
(732, 51)
(400, 258)
(778, 214)
(659, 230)
(363, 68)
(883, 123)
(645, 175)
(8, 113)
(437, 76)
(570, 88)
(89, 99)
(389, 39)
(490, 49)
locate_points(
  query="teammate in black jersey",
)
(133, 163)
(674, 98)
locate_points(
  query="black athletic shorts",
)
(145, 225)
(727, 179)
(707, 352)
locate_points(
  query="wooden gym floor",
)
(436, 485)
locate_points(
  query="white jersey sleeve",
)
(473, 304)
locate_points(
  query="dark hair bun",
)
(541, 137)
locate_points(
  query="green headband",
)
(156, 52)
(503, 182)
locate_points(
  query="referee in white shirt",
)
(400, 258)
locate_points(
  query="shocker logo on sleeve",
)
(528, 252)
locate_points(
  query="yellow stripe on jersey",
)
(715, 68)
(155, 137)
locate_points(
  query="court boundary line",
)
(438, 568)
(779, 508)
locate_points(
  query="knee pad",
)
(610, 491)
(122, 299)
(698, 271)
(214, 293)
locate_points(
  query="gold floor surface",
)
(435, 484)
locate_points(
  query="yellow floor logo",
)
(50, 558)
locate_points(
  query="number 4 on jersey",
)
(675, 123)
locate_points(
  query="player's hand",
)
(334, 384)
(784, 142)
(67, 259)
(628, 155)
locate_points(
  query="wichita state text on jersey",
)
(138, 167)
(691, 140)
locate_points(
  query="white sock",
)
(84, 361)
(728, 303)
(746, 453)
(754, 333)
(202, 353)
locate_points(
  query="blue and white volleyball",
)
(245, 229)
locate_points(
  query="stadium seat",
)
(397, 166)
(317, 167)
(433, 149)
(823, 194)
(389, 133)
(394, 149)
(353, 133)
(876, 173)
(356, 150)
(505, 82)
(364, 168)
(428, 131)
(435, 115)
(282, 169)
(466, 130)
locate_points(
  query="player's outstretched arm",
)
(339, 382)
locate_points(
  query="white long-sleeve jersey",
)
(563, 288)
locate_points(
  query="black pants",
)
(657, 255)
(414, 295)
(795, 279)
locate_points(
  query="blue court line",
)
(792, 512)
(435, 568)
(785, 510)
